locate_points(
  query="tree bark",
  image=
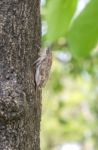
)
(20, 105)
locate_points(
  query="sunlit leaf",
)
(83, 34)
(59, 14)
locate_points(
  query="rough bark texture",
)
(20, 111)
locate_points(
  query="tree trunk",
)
(20, 105)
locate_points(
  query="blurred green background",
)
(70, 104)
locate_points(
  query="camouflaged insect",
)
(43, 66)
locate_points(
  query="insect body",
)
(43, 66)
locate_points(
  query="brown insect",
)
(43, 66)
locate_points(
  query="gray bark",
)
(20, 110)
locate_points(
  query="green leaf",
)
(59, 15)
(83, 34)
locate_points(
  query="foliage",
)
(70, 99)
(83, 34)
(68, 107)
(58, 23)
(80, 32)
